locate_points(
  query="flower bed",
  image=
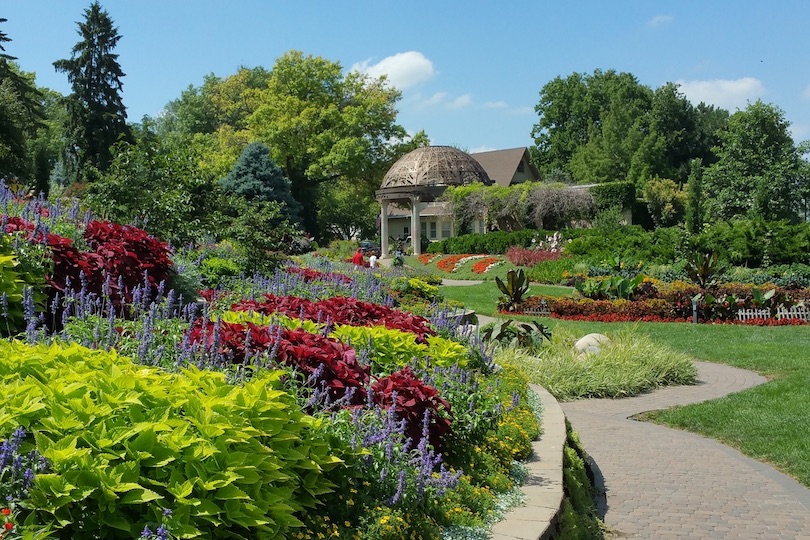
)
(452, 262)
(673, 303)
(275, 409)
(486, 264)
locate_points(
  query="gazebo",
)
(421, 176)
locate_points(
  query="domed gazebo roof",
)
(428, 171)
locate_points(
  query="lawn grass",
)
(483, 298)
(768, 423)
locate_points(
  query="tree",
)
(256, 178)
(155, 183)
(324, 126)
(757, 167)
(694, 197)
(21, 115)
(97, 116)
(348, 212)
(665, 201)
(606, 126)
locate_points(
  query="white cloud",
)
(404, 70)
(443, 99)
(659, 20)
(727, 94)
(461, 102)
(495, 105)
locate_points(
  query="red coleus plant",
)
(340, 310)
(413, 399)
(116, 251)
(129, 253)
(322, 361)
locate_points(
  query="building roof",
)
(434, 166)
(501, 165)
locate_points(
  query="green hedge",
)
(619, 194)
(125, 441)
(491, 243)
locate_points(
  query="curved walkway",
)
(665, 483)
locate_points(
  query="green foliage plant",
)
(125, 441)
(702, 267)
(18, 279)
(528, 335)
(513, 290)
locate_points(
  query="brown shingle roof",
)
(501, 165)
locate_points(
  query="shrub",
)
(125, 441)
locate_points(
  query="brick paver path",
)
(665, 483)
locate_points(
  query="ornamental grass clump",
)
(630, 365)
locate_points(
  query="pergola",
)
(421, 176)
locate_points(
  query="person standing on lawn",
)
(372, 261)
(358, 258)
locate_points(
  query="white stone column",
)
(416, 226)
(383, 229)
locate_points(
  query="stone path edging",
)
(544, 485)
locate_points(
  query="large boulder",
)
(591, 344)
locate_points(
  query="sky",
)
(470, 72)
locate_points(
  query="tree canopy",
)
(758, 167)
(21, 114)
(607, 127)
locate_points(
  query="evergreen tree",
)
(694, 198)
(96, 114)
(20, 115)
(256, 178)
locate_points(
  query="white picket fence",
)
(541, 311)
(795, 312)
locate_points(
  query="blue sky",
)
(470, 72)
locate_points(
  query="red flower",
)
(8, 526)
(5, 511)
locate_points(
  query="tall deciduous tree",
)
(323, 126)
(607, 126)
(97, 116)
(757, 168)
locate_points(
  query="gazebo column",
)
(383, 229)
(416, 226)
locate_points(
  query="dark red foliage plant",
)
(413, 398)
(340, 310)
(324, 363)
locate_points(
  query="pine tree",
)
(96, 114)
(256, 178)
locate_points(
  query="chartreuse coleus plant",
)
(387, 349)
(125, 441)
